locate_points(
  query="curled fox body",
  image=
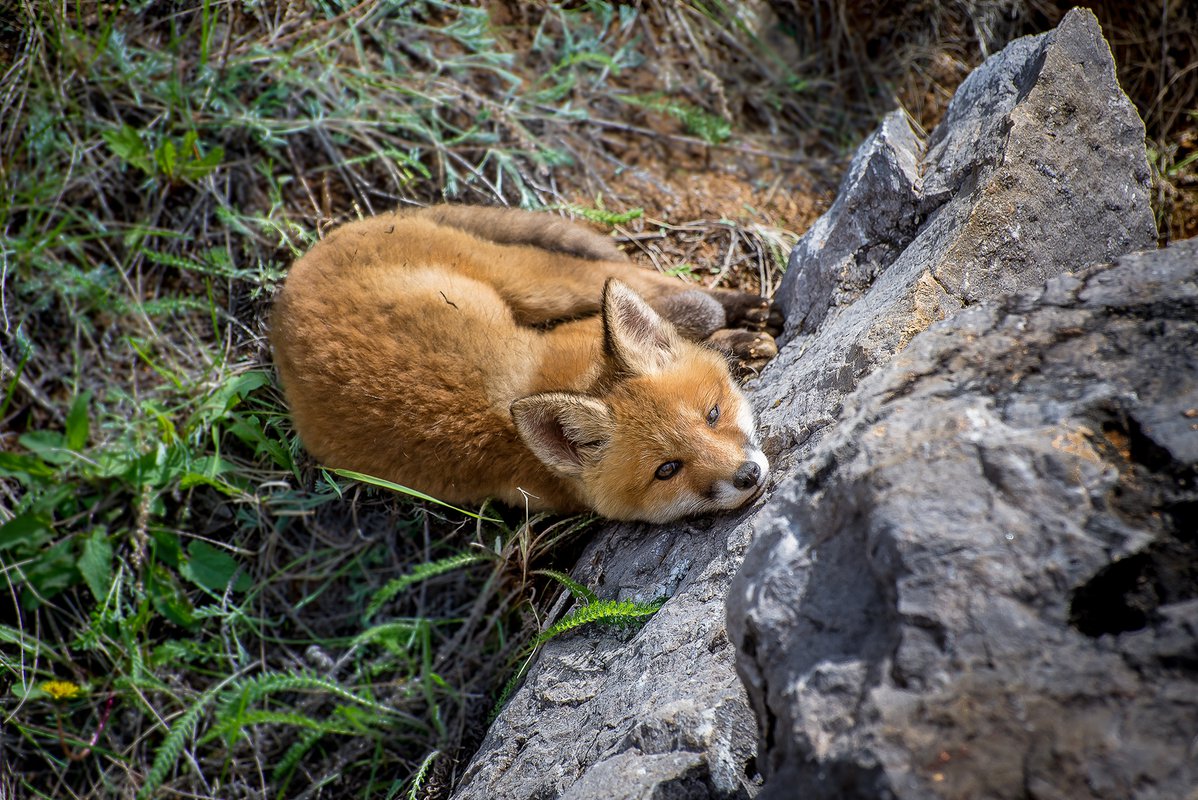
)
(473, 353)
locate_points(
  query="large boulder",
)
(981, 581)
(984, 582)
(916, 235)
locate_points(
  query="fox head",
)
(669, 436)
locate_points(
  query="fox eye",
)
(667, 470)
(713, 416)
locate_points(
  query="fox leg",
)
(558, 235)
(749, 311)
(738, 323)
(582, 260)
(704, 316)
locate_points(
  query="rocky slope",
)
(954, 515)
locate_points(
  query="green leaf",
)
(77, 422)
(236, 727)
(708, 127)
(611, 612)
(168, 752)
(49, 445)
(249, 431)
(166, 547)
(398, 637)
(199, 167)
(127, 145)
(212, 160)
(230, 393)
(580, 592)
(168, 598)
(287, 764)
(19, 464)
(95, 564)
(422, 572)
(160, 467)
(601, 215)
(166, 157)
(213, 569)
(207, 470)
(421, 774)
(29, 529)
(50, 573)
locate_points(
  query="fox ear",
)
(637, 337)
(563, 429)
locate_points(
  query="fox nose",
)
(747, 475)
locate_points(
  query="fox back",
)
(533, 369)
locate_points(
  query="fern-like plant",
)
(697, 122)
(233, 716)
(168, 752)
(581, 593)
(601, 215)
(591, 610)
(422, 774)
(608, 612)
(422, 572)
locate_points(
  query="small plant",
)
(683, 270)
(594, 610)
(591, 609)
(422, 572)
(600, 215)
(709, 127)
(81, 498)
(175, 160)
(422, 774)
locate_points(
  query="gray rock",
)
(662, 713)
(873, 219)
(658, 713)
(1038, 167)
(984, 582)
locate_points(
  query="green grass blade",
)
(395, 487)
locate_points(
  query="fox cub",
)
(476, 352)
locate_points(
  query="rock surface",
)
(1039, 155)
(1038, 167)
(984, 583)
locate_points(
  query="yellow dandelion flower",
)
(61, 690)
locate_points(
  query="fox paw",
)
(749, 311)
(750, 350)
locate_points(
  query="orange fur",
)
(459, 352)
